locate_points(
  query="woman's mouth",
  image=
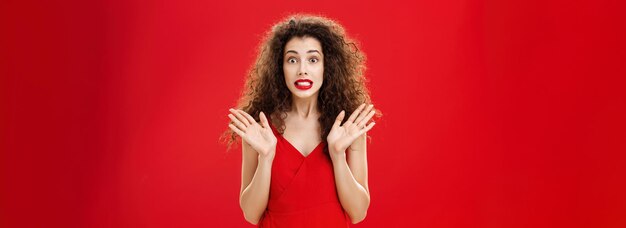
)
(303, 84)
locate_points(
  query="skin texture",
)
(304, 58)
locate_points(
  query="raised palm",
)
(341, 137)
(259, 136)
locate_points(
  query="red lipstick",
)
(303, 84)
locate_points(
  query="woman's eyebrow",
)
(310, 51)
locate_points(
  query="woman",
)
(304, 165)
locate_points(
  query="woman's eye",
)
(313, 60)
(291, 60)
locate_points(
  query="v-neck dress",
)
(302, 189)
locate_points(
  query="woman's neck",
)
(304, 107)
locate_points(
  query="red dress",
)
(302, 189)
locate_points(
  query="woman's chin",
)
(303, 94)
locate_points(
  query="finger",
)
(237, 123)
(354, 115)
(248, 117)
(366, 129)
(236, 130)
(363, 114)
(367, 118)
(240, 117)
(264, 121)
(340, 118)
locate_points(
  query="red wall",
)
(496, 114)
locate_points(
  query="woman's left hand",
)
(341, 137)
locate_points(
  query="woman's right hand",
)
(259, 137)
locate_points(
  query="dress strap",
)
(273, 128)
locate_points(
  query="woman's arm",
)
(255, 183)
(258, 151)
(351, 180)
(351, 173)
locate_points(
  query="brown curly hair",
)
(344, 86)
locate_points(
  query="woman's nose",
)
(302, 69)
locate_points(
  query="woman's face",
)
(303, 66)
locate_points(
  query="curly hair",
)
(344, 86)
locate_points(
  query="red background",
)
(496, 114)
